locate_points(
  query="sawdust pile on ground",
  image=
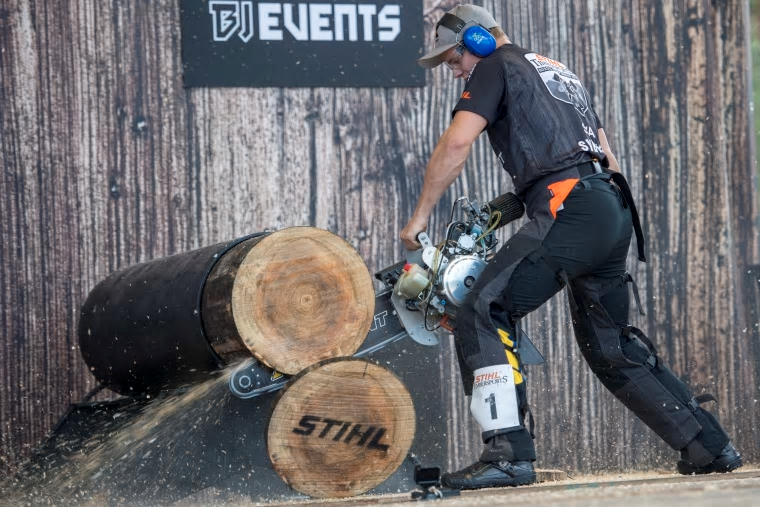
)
(87, 478)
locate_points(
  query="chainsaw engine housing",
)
(451, 268)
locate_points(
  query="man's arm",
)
(608, 151)
(444, 167)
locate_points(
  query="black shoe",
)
(728, 460)
(491, 475)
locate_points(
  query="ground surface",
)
(741, 488)
(655, 490)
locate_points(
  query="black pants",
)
(586, 246)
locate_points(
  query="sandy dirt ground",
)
(741, 488)
(654, 490)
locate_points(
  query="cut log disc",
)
(340, 428)
(302, 295)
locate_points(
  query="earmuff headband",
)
(452, 22)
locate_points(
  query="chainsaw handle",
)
(424, 240)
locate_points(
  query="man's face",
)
(460, 61)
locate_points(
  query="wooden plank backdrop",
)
(107, 161)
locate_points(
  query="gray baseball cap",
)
(446, 38)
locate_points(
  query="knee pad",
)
(653, 392)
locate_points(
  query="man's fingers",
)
(412, 245)
(409, 235)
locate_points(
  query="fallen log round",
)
(290, 298)
(340, 428)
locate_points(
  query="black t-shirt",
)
(540, 116)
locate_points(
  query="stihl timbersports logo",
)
(562, 84)
(485, 379)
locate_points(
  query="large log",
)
(302, 296)
(289, 298)
(340, 428)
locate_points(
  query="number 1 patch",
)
(494, 398)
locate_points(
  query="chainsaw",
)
(419, 296)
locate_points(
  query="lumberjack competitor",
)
(542, 126)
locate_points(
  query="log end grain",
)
(300, 296)
(340, 428)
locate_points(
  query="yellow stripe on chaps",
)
(511, 356)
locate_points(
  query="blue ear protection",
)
(475, 38)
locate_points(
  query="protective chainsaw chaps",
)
(626, 362)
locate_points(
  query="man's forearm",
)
(445, 166)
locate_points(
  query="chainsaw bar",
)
(252, 378)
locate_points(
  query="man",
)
(541, 125)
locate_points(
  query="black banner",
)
(365, 43)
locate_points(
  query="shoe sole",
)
(512, 482)
(718, 469)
